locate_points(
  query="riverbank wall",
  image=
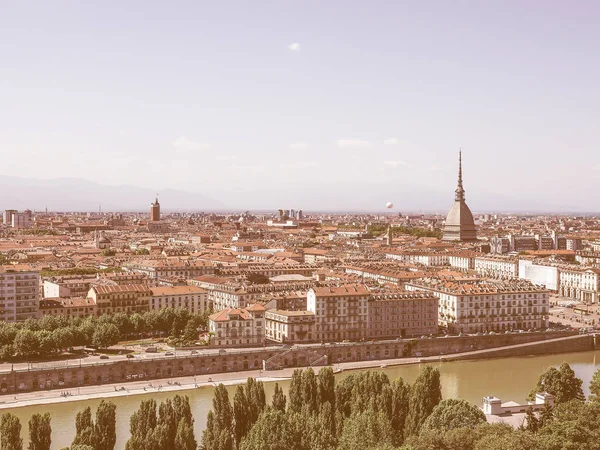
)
(578, 343)
(272, 358)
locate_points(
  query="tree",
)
(295, 391)
(105, 433)
(562, 383)
(141, 425)
(425, 394)
(399, 408)
(367, 429)
(272, 431)
(26, 343)
(84, 428)
(184, 439)
(10, 432)
(595, 385)
(105, 335)
(452, 413)
(532, 423)
(40, 432)
(172, 427)
(326, 386)
(240, 415)
(255, 395)
(279, 399)
(219, 424)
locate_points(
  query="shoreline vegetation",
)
(363, 410)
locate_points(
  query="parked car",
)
(169, 354)
(103, 356)
(130, 355)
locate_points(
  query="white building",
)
(487, 305)
(543, 274)
(579, 283)
(290, 326)
(191, 298)
(19, 294)
(238, 327)
(462, 261)
(424, 258)
(497, 266)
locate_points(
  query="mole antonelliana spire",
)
(460, 225)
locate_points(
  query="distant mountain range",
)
(75, 194)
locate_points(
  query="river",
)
(507, 378)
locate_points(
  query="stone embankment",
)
(270, 358)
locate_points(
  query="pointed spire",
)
(460, 192)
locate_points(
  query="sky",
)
(259, 103)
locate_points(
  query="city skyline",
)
(279, 101)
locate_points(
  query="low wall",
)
(580, 343)
(252, 359)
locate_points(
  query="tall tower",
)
(155, 211)
(389, 236)
(460, 225)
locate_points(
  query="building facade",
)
(19, 294)
(488, 305)
(290, 326)
(497, 266)
(191, 298)
(402, 314)
(128, 299)
(340, 312)
(238, 327)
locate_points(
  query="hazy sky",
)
(231, 98)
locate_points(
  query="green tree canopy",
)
(40, 432)
(425, 394)
(561, 382)
(452, 413)
(10, 432)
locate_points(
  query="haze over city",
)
(333, 105)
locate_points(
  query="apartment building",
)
(19, 294)
(157, 269)
(121, 298)
(431, 259)
(487, 305)
(191, 298)
(290, 326)
(225, 293)
(67, 307)
(497, 266)
(402, 314)
(64, 287)
(238, 327)
(340, 312)
(384, 274)
(463, 261)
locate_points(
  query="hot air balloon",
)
(389, 205)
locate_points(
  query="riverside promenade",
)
(172, 384)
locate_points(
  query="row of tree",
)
(50, 334)
(367, 410)
(166, 426)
